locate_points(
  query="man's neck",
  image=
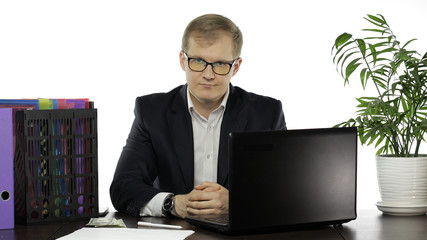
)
(205, 108)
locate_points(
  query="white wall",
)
(105, 50)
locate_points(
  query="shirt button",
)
(208, 156)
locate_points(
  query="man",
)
(175, 161)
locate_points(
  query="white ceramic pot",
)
(403, 184)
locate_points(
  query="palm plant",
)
(395, 119)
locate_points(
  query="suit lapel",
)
(234, 120)
(179, 121)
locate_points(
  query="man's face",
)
(206, 87)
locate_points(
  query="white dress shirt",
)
(206, 135)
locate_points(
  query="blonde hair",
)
(210, 23)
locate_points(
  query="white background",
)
(113, 51)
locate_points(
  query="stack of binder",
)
(55, 158)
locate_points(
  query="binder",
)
(6, 170)
(16, 102)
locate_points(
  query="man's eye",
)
(200, 61)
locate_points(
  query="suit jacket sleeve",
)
(279, 123)
(132, 185)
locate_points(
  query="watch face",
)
(168, 204)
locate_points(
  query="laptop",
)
(283, 180)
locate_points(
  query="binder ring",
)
(5, 195)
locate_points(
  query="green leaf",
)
(374, 136)
(363, 77)
(374, 53)
(404, 105)
(403, 54)
(383, 19)
(415, 75)
(377, 37)
(380, 140)
(380, 150)
(391, 49)
(376, 21)
(351, 67)
(381, 44)
(341, 39)
(394, 87)
(374, 30)
(368, 75)
(347, 55)
(340, 49)
(388, 129)
(365, 138)
(362, 46)
(393, 66)
(343, 124)
(406, 44)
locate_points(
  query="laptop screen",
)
(292, 177)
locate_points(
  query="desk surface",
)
(370, 224)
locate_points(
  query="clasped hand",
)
(205, 199)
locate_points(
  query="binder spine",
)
(6, 169)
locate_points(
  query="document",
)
(127, 233)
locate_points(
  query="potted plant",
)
(395, 120)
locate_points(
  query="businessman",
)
(175, 161)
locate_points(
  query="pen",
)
(148, 224)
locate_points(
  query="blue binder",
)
(6, 169)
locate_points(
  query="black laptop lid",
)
(291, 178)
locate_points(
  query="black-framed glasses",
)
(199, 65)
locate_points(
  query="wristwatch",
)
(168, 205)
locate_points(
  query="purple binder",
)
(6, 169)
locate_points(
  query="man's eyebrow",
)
(217, 61)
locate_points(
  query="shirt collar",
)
(222, 105)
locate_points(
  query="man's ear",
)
(182, 60)
(237, 64)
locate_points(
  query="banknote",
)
(106, 222)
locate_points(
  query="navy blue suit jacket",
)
(159, 155)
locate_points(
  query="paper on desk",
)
(127, 233)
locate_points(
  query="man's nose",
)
(208, 73)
